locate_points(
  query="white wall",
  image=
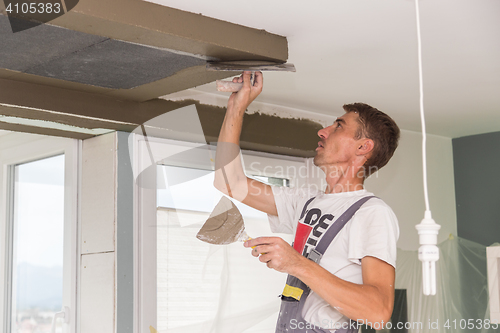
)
(106, 235)
(400, 185)
(97, 279)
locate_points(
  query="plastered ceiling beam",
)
(77, 108)
(130, 49)
(151, 24)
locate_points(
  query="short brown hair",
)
(379, 127)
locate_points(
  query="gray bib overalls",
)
(290, 318)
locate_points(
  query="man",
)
(353, 280)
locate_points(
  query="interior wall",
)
(98, 252)
(107, 290)
(400, 185)
(124, 236)
(476, 161)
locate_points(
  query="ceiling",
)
(3, 132)
(366, 50)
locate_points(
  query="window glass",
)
(38, 230)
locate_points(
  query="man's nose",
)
(323, 133)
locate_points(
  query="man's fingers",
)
(260, 241)
(265, 258)
(259, 80)
(261, 249)
(246, 78)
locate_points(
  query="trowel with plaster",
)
(224, 226)
(240, 66)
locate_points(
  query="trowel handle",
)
(253, 247)
(228, 86)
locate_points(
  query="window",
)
(38, 232)
(37, 244)
(186, 284)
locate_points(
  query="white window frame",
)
(143, 149)
(493, 263)
(18, 148)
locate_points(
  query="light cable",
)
(428, 230)
(422, 114)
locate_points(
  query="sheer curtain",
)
(461, 302)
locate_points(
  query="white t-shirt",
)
(372, 231)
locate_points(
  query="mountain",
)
(39, 287)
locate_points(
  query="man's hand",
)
(239, 101)
(277, 253)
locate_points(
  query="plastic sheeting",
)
(461, 302)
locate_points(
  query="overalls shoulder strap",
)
(316, 253)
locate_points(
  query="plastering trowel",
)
(240, 66)
(224, 226)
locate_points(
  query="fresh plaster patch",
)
(220, 100)
(263, 132)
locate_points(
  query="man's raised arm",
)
(229, 175)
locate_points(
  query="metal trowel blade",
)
(239, 66)
(224, 226)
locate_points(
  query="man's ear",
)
(365, 147)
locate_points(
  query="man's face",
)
(337, 143)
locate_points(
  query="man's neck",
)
(343, 179)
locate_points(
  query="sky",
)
(39, 212)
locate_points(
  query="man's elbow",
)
(377, 317)
(221, 186)
(384, 314)
(235, 189)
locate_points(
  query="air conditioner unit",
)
(493, 259)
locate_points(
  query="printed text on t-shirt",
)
(312, 224)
